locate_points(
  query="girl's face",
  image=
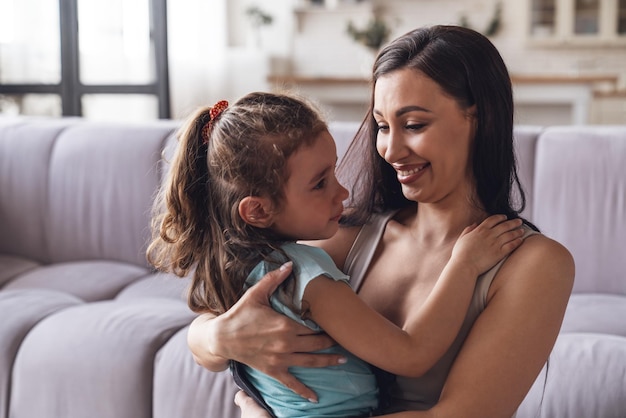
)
(313, 196)
(425, 136)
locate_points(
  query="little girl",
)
(250, 180)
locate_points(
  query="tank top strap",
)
(484, 280)
(364, 246)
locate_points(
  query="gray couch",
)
(87, 329)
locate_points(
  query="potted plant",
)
(258, 18)
(373, 35)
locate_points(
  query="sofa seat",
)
(596, 313)
(586, 377)
(22, 310)
(13, 266)
(88, 280)
(102, 353)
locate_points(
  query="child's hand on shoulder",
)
(481, 246)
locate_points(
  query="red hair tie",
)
(214, 113)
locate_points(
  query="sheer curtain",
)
(197, 53)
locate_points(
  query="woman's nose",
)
(391, 146)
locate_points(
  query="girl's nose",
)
(342, 192)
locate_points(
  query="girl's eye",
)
(320, 185)
(382, 127)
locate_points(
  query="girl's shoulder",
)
(310, 262)
(338, 246)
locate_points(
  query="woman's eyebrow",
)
(413, 108)
(406, 109)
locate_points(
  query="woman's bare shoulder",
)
(540, 249)
(539, 261)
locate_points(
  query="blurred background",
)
(137, 60)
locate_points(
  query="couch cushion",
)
(175, 368)
(157, 285)
(11, 266)
(343, 133)
(525, 144)
(586, 376)
(103, 177)
(87, 280)
(25, 149)
(20, 311)
(95, 359)
(601, 313)
(580, 200)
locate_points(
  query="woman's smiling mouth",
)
(409, 175)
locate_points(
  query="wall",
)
(211, 60)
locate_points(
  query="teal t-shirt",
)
(346, 390)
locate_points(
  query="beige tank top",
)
(421, 393)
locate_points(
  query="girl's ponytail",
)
(180, 220)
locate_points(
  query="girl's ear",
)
(256, 211)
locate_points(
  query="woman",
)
(434, 155)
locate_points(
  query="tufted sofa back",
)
(580, 200)
(75, 190)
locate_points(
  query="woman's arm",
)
(512, 339)
(429, 329)
(252, 333)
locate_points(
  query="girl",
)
(250, 180)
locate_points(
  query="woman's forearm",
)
(202, 341)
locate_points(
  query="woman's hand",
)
(251, 332)
(249, 408)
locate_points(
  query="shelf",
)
(343, 7)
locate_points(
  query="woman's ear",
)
(472, 112)
(256, 211)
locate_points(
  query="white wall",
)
(212, 55)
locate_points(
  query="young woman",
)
(435, 154)
(250, 180)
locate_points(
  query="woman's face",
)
(425, 136)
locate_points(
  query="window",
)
(578, 22)
(105, 60)
(586, 17)
(621, 17)
(543, 15)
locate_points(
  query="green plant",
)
(258, 17)
(494, 25)
(373, 35)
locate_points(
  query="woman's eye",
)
(415, 126)
(382, 127)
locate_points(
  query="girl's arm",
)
(429, 329)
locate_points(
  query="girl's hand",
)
(249, 408)
(481, 247)
(252, 333)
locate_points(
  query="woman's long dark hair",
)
(468, 68)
